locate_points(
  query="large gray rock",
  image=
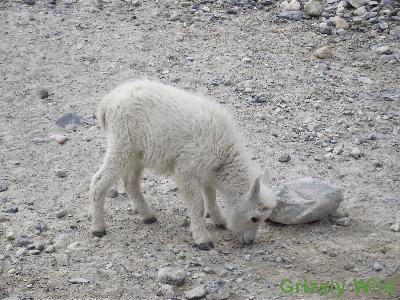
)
(305, 200)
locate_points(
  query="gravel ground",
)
(335, 118)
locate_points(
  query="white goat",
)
(152, 125)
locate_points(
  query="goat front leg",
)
(193, 198)
(212, 207)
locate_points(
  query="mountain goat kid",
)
(152, 125)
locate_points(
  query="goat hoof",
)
(205, 245)
(220, 226)
(99, 233)
(150, 220)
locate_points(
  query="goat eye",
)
(254, 219)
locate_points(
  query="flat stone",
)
(196, 293)
(284, 158)
(377, 266)
(292, 15)
(34, 252)
(69, 118)
(384, 50)
(50, 249)
(78, 280)
(12, 210)
(218, 290)
(171, 276)
(10, 236)
(59, 138)
(305, 200)
(61, 213)
(21, 242)
(20, 252)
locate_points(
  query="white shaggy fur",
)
(152, 125)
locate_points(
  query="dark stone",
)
(12, 210)
(43, 94)
(150, 220)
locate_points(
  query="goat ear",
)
(255, 191)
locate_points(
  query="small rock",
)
(340, 23)
(284, 158)
(78, 280)
(12, 210)
(246, 60)
(377, 266)
(325, 29)
(360, 11)
(10, 236)
(355, 153)
(39, 245)
(34, 252)
(357, 3)
(3, 185)
(323, 52)
(43, 94)
(50, 249)
(395, 227)
(29, 2)
(383, 25)
(205, 9)
(345, 221)
(218, 290)
(313, 8)
(60, 173)
(20, 252)
(378, 164)
(292, 6)
(196, 293)
(61, 213)
(69, 118)
(30, 247)
(383, 50)
(291, 15)
(59, 138)
(349, 266)
(112, 193)
(21, 242)
(171, 276)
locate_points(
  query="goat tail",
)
(101, 113)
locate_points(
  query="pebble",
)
(360, 11)
(20, 252)
(69, 118)
(291, 15)
(78, 280)
(218, 290)
(21, 242)
(61, 213)
(43, 94)
(345, 221)
(34, 252)
(355, 153)
(290, 6)
(323, 52)
(349, 266)
(395, 227)
(313, 8)
(340, 23)
(59, 138)
(377, 266)
(9, 247)
(12, 210)
(60, 173)
(246, 60)
(29, 2)
(10, 236)
(357, 3)
(325, 29)
(384, 50)
(38, 245)
(196, 293)
(112, 193)
(3, 186)
(50, 249)
(171, 276)
(284, 158)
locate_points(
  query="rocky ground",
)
(331, 113)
